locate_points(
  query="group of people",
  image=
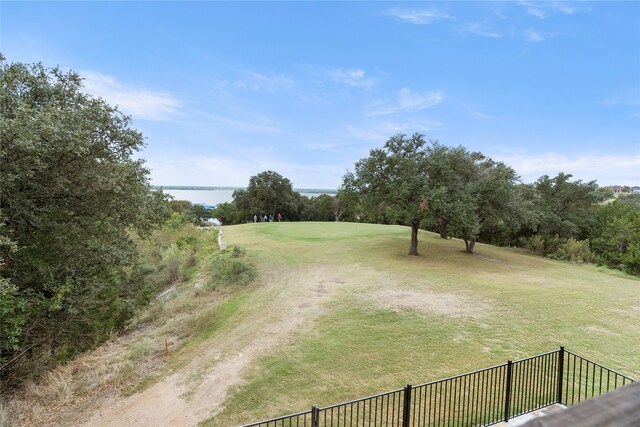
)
(266, 218)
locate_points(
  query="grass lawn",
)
(387, 319)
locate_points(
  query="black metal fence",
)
(479, 398)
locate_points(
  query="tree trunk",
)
(413, 247)
(442, 228)
(469, 245)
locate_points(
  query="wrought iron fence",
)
(479, 398)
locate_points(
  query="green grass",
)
(359, 347)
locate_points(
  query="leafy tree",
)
(567, 209)
(615, 238)
(72, 192)
(393, 184)
(319, 208)
(269, 192)
(473, 195)
(345, 204)
(632, 200)
(227, 213)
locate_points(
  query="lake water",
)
(217, 196)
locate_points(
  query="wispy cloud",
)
(531, 35)
(408, 100)
(623, 169)
(538, 13)
(483, 115)
(481, 29)
(418, 17)
(541, 9)
(139, 103)
(414, 101)
(352, 77)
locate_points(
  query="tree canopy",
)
(393, 184)
(72, 192)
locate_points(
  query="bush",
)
(573, 250)
(229, 268)
(174, 262)
(534, 243)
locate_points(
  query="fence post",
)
(406, 413)
(560, 373)
(315, 416)
(507, 394)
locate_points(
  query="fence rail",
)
(479, 398)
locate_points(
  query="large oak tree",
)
(72, 191)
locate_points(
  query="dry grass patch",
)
(449, 305)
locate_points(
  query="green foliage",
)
(473, 195)
(632, 200)
(566, 208)
(573, 250)
(533, 243)
(231, 268)
(393, 185)
(13, 316)
(465, 193)
(185, 212)
(72, 193)
(174, 261)
(615, 238)
(227, 213)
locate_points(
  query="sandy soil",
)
(198, 391)
(450, 305)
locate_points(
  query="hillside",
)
(338, 311)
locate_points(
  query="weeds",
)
(230, 268)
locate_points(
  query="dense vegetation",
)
(74, 198)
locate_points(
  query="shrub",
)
(174, 261)
(534, 243)
(229, 268)
(573, 250)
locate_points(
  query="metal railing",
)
(479, 398)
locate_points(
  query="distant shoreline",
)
(198, 188)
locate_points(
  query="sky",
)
(225, 90)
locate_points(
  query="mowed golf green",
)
(379, 319)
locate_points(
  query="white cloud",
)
(531, 35)
(408, 100)
(481, 30)
(418, 17)
(354, 77)
(538, 13)
(483, 115)
(607, 169)
(540, 9)
(414, 101)
(139, 103)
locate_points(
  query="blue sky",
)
(223, 91)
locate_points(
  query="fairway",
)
(337, 311)
(382, 319)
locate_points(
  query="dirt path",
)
(198, 391)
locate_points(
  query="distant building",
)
(635, 189)
(617, 189)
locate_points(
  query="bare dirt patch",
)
(199, 390)
(450, 305)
